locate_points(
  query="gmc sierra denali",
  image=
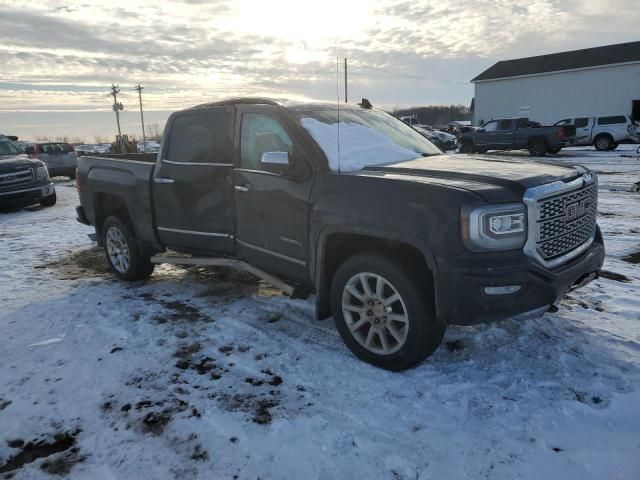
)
(396, 239)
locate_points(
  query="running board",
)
(291, 290)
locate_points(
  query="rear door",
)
(583, 126)
(504, 134)
(272, 208)
(192, 184)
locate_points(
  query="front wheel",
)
(49, 201)
(554, 150)
(466, 147)
(122, 252)
(384, 311)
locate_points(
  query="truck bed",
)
(121, 180)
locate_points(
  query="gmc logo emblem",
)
(575, 210)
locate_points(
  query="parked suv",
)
(23, 180)
(604, 133)
(396, 239)
(60, 157)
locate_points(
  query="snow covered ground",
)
(211, 374)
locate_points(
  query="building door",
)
(635, 110)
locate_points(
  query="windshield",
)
(7, 147)
(367, 137)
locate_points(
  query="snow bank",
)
(359, 146)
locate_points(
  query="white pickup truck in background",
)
(604, 133)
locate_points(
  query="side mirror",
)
(481, 130)
(275, 162)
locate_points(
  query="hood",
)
(11, 162)
(502, 173)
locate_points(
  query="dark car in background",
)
(517, 134)
(60, 157)
(24, 180)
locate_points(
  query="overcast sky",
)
(57, 59)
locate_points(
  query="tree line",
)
(435, 114)
(153, 132)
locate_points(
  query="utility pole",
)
(144, 138)
(345, 79)
(115, 90)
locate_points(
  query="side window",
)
(505, 124)
(582, 122)
(612, 120)
(490, 127)
(260, 134)
(566, 121)
(200, 138)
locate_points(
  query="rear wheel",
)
(122, 251)
(554, 150)
(537, 148)
(603, 143)
(614, 146)
(384, 311)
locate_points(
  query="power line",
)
(410, 75)
(116, 108)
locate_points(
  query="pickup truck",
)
(604, 133)
(396, 239)
(517, 134)
(23, 180)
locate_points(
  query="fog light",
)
(504, 290)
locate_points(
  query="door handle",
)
(163, 180)
(241, 188)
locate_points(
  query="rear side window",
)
(200, 138)
(566, 121)
(582, 122)
(506, 124)
(260, 134)
(612, 120)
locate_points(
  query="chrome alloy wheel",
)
(117, 249)
(375, 313)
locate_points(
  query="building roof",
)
(575, 59)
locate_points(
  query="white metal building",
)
(547, 88)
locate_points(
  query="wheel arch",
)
(345, 243)
(107, 205)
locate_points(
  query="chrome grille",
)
(16, 177)
(566, 221)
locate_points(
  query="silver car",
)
(60, 157)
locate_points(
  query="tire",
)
(49, 201)
(122, 252)
(603, 143)
(466, 147)
(614, 146)
(554, 150)
(411, 336)
(480, 150)
(538, 148)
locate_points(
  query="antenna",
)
(338, 103)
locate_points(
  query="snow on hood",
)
(359, 146)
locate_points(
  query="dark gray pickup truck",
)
(396, 239)
(517, 134)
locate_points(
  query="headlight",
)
(494, 227)
(42, 173)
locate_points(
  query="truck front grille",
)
(562, 219)
(16, 177)
(566, 221)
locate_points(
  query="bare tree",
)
(153, 131)
(101, 139)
